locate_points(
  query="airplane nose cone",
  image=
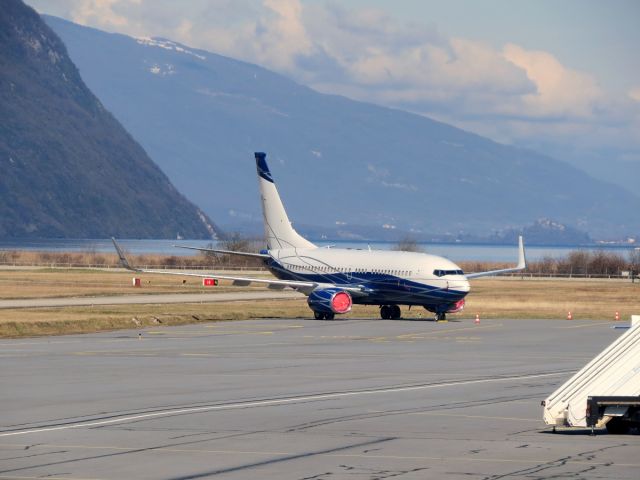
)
(461, 285)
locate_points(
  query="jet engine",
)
(329, 300)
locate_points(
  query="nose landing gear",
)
(390, 312)
(441, 317)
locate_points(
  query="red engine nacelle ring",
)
(341, 302)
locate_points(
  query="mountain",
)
(544, 232)
(336, 161)
(69, 169)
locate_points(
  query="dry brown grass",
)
(545, 298)
(490, 298)
(70, 320)
(49, 283)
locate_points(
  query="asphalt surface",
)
(147, 299)
(303, 399)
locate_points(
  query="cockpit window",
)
(442, 273)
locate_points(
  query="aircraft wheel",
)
(329, 316)
(395, 312)
(385, 312)
(441, 316)
(318, 315)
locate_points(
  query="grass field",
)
(490, 298)
(48, 283)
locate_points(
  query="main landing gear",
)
(390, 312)
(323, 316)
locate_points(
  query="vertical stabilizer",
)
(277, 228)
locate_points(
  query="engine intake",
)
(330, 300)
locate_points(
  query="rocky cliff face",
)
(68, 168)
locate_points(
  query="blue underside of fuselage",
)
(380, 289)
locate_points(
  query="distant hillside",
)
(543, 232)
(337, 162)
(68, 168)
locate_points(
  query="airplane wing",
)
(228, 252)
(522, 264)
(239, 281)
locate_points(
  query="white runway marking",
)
(279, 401)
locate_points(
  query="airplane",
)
(334, 279)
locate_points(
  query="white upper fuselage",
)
(418, 278)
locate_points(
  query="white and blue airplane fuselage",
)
(336, 278)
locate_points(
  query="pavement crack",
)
(281, 459)
(545, 468)
(374, 474)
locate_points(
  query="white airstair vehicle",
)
(605, 392)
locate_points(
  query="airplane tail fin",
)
(277, 228)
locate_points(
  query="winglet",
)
(123, 260)
(522, 260)
(522, 264)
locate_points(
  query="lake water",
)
(456, 252)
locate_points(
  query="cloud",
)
(98, 11)
(283, 37)
(512, 94)
(560, 91)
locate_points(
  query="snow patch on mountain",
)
(167, 45)
(162, 70)
(243, 98)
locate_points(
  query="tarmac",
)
(303, 399)
(148, 299)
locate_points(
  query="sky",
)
(562, 77)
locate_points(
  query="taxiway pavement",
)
(303, 399)
(148, 299)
